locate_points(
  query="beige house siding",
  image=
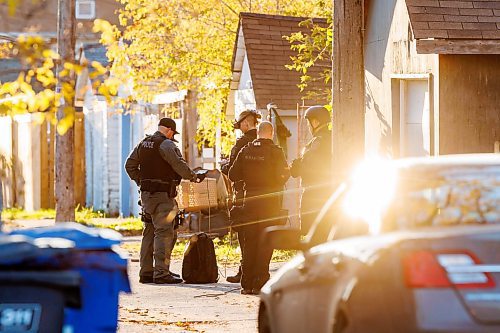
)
(389, 52)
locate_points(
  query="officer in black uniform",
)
(157, 166)
(246, 122)
(262, 167)
(314, 166)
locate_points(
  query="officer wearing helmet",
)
(261, 166)
(314, 166)
(247, 124)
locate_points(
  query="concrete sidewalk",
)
(217, 307)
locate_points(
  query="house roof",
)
(467, 22)
(261, 36)
(10, 69)
(95, 52)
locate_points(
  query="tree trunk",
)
(64, 184)
(349, 89)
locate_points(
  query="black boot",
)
(236, 278)
(168, 279)
(146, 279)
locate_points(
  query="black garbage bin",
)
(33, 298)
(34, 301)
(101, 272)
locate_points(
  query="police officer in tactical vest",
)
(246, 122)
(157, 166)
(262, 167)
(314, 166)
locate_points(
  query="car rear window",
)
(395, 199)
(453, 197)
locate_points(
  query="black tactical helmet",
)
(320, 113)
(245, 114)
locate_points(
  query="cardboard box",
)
(197, 196)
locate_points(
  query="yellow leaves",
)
(5, 49)
(70, 68)
(185, 43)
(109, 88)
(45, 76)
(45, 99)
(34, 90)
(99, 70)
(67, 121)
(122, 19)
(68, 91)
(49, 54)
(9, 88)
(109, 32)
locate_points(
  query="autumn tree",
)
(37, 90)
(313, 47)
(187, 44)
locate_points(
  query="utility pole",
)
(64, 180)
(348, 86)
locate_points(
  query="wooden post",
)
(191, 122)
(45, 187)
(64, 183)
(348, 86)
(79, 160)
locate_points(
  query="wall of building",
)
(41, 16)
(469, 103)
(96, 160)
(295, 144)
(389, 50)
(103, 155)
(137, 124)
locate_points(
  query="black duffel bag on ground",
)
(200, 263)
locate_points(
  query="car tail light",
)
(426, 269)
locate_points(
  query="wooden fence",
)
(27, 161)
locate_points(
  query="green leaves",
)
(311, 48)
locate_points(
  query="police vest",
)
(153, 166)
(260, 166)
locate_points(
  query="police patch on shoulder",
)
(148, 144)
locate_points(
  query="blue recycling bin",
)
(101, 269)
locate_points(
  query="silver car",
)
(422, 253)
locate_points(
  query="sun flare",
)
(372, 188)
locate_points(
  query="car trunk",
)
(476, 276)
(468, 262)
